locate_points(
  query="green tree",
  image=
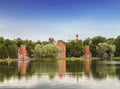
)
(19, 41)
(1, 40)
(29, 46)
(3, 51)
(75, 48)
(111, 41)
(45, 42)
(51, 50)
(38, 42)
(51, 40)
(105, 51)
(46, 51)
(117, 44)
(13, 50)
(94, 42)
(38, 51)
(8, 49)
(87, 41)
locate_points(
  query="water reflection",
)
(61, 67)
(22, 66)
(87, 66)
(67, 71)
(101, 70)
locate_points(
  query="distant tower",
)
(76, 36)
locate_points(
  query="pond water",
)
(60, 74)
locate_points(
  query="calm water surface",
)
(60, 74)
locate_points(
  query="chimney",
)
(76, 36)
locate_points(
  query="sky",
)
(60, 19)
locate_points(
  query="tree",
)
(87, 41)
(51, 40)
(13, 51)
(105, 51)
(19, 41)
(38, 51)
(29, 46)
(117, 44)
(1, 40)
(3, 51)
(46, 51)
(45, 42)
(74, 48)
(94, 42)
(111, 41)
(8, 49)
(50, 50)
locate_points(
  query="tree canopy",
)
(45, 51)
(75, 48)
(105, 51)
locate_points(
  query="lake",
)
(60, 74)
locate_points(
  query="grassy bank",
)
(80, 58)
(71, 59)
(92, 58)
(116, 58)
(7, 60)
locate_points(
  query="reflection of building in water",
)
(87, 66)
(62, 67)
(22, 67)
(87, 51)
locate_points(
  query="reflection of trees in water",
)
(75, 68)
(118, 71)
(7, 70)
(102, 70)
(41, 67)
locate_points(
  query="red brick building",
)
(22, 52)
(87, 51)
(62, 47)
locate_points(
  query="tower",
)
(76, 36)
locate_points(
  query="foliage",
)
(111, 41)
(87, 41)
(75, 48)
(29, 46)
(117, 43)
(45, 51)
(51, 40)
(8, 49)
(105, 51)
(94, 42)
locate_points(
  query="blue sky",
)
(60, 19)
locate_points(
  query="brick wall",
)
(62, 48)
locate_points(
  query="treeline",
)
(9, 48)
(99, 41)
(99, 46)
(74, 48)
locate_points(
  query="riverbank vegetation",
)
(106, 51)
(45, 51)
(74, 48)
